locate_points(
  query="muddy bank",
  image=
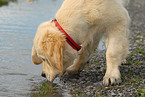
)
(88, 83)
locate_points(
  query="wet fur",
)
(86, 21)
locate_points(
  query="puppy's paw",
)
(112, 77)
(72, 70)
(111, 80)
(71, 74)
(124, 61)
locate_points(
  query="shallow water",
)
(18, 24)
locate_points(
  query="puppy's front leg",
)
(117, 48)
(79, 62)
(112, 73)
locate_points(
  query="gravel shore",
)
(88, 83)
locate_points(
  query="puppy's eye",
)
(43, 59)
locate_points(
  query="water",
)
(18, 25)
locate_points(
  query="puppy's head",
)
(48, 48)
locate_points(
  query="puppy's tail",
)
(125, 2)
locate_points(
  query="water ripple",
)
(18, 25)
(21, 74)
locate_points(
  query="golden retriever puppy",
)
(86, 22)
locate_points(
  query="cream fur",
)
(86, 21)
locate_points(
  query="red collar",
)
(69, 40)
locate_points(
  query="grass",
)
(138, 52)
(141, 92)
(76, 92)
(43, 88)
(6, 2)
(98, 95)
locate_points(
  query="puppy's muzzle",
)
(43, 75)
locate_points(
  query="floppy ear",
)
(36, 60)
(55, 56)
(53, 45)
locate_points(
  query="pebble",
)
(113, 94)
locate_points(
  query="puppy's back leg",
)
(116, 40)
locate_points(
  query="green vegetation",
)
(76, 92)
(141, 92)
(6, 2)
(3, 2)
(99, 95)
(44, 88)
(138, 52)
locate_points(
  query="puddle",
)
(18, 25)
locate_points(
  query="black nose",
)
(43, 75)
